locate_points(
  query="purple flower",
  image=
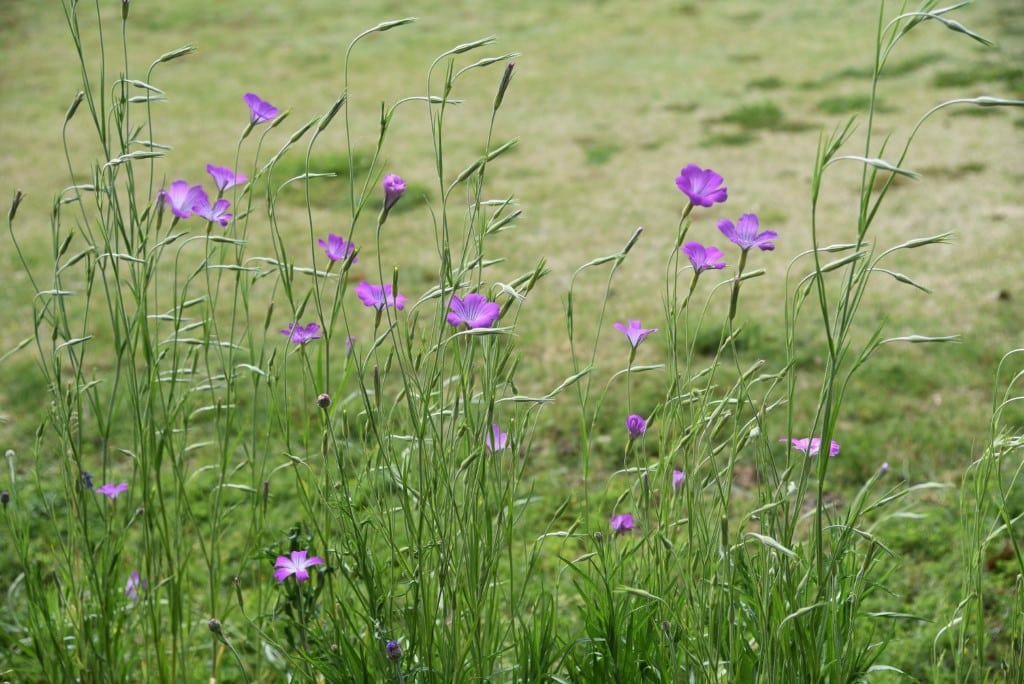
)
(884, 469)
(300, 334)
(393, 650)
(678, 479)
(86, 479)
(337, 248)
(113, 490)
(181, 198)
(745, 233)
(703, 258)
(812, 446)
(218, 213)
(635, 332)
(224, 178)
(475, 311)
(622, 523)
(394, 187)
(131, 588)
(295, 564)
(379, 296)
(703, 186)
(260, 111)
(496, 440)
(635, 426)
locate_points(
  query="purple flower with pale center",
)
(636, 426)
(745, 234)
(260, 111)
(394, 187)
(218, 213)
(112, 490)
(703, 186)
(678, 479)
(474, 311)
(622, 523)
(496, 440)
(812, 446)
(379, 296)
(703, 258)
(337, 248)
(635, 332)
(131, 588)
(295, 564)
(181, 198)
(224, 178)
(300, 334)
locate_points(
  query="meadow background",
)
(609, 101)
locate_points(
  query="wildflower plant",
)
(247, 453)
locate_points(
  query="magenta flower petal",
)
(300, 334)
(634, 332)
(181, 198)
(337, 248)
(113, 490)
(218, 213)
(703, 186)
(496, 440)
(260, 111)
(703, 258)
(745, 234)
(394, 188)
(678, 479)
(224, 178)
(622, 523)
(132, 586)
(475, 311)
(379, 296)
(636, 426)
(812, 446)
(295, 564)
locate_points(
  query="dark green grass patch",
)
(1012, 77)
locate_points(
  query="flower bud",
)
(324, 401)
(393, 649)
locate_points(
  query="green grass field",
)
(609, 100)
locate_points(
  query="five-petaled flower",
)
(180, 197)
(131, 588)
(260, 111)
(703, 186)
(812, 446)
(703, 258)
(295, 564)
(300, 334)
(636, 426)
(394, 187)
(474, 311)
(218, 213)
(224, 178)
(112, 490)
(337, 248)
(678, 479)
(745, 235)
(379, 296)
(634, 332)
(622, 523)
(496, 440)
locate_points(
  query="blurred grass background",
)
(609, 100)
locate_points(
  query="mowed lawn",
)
(609, 100)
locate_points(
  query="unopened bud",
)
(393, 650)
(214, 625)
(5, 498)
(324, 401)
